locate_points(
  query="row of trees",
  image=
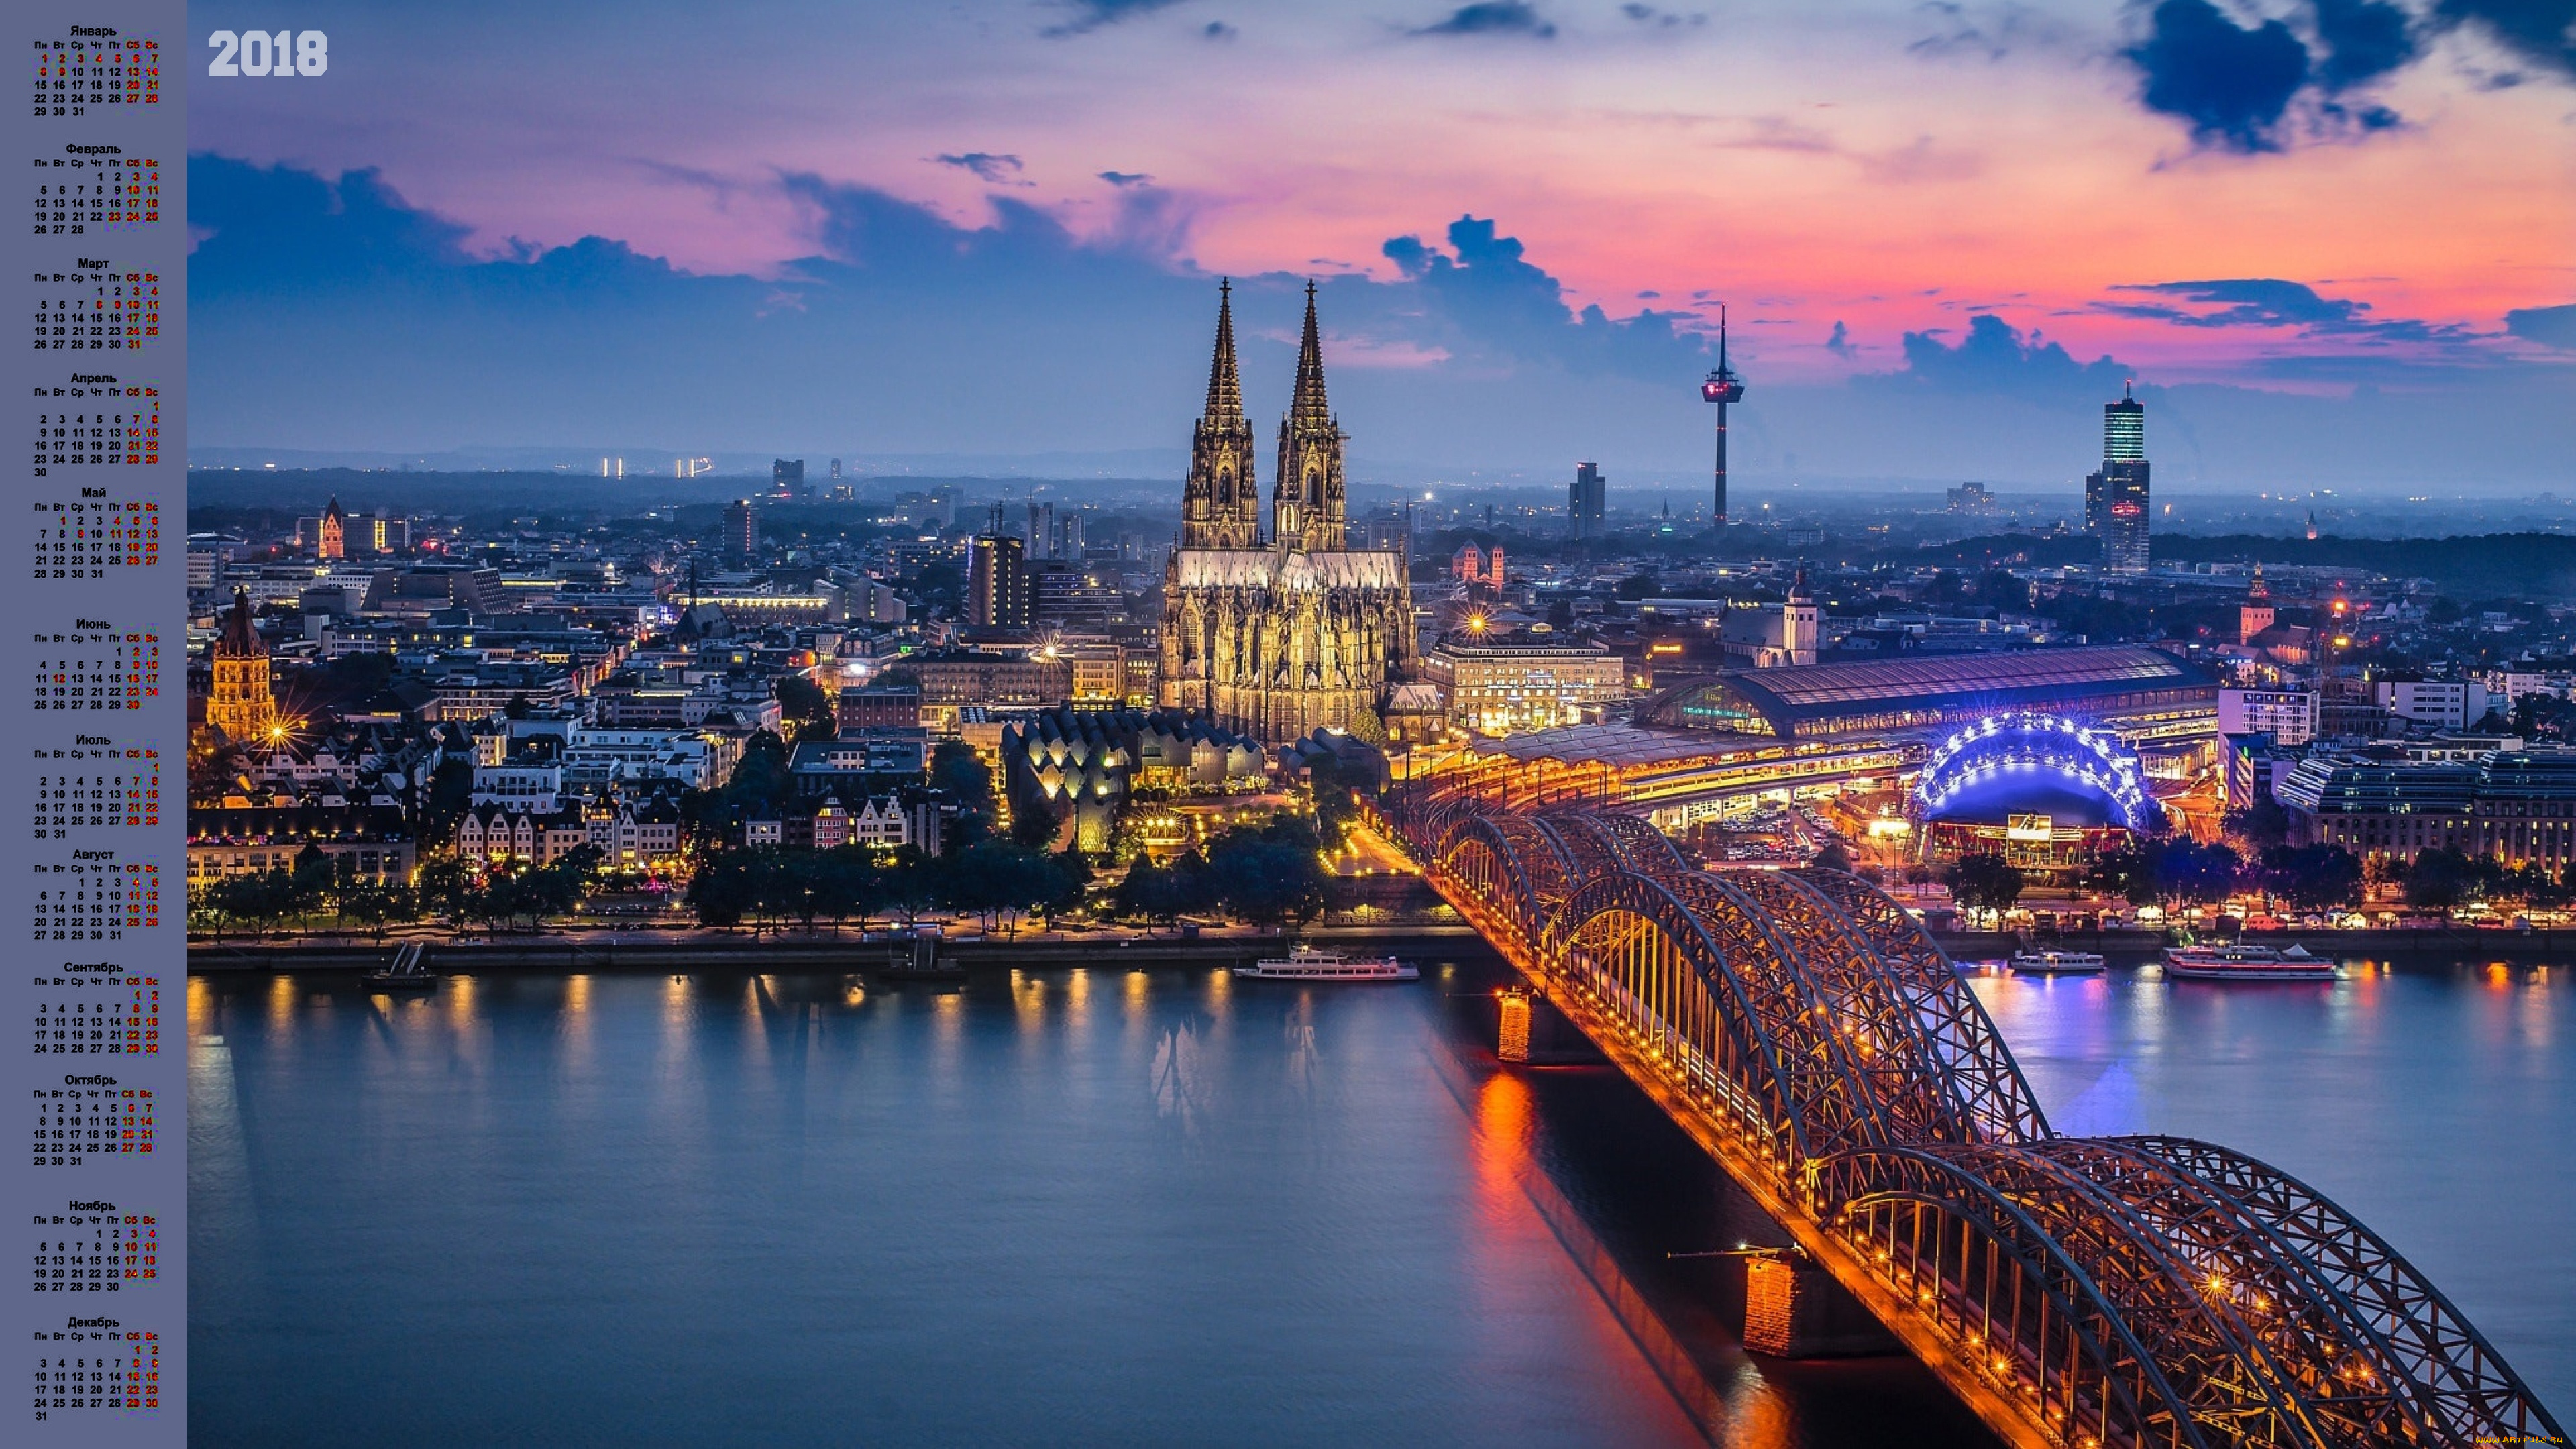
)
(1270, 874)
(2178, 870)
(310, 891)
(2181, 870)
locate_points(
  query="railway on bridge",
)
(2075, 1292)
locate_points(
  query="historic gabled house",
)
(1278, 638)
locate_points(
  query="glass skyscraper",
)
(2115, 499)
(1584, 499)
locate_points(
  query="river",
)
(1120, 1207)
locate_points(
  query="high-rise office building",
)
(997, 583)
(787, 478)
(741, 532)
(1584, 498)
(2115, 499)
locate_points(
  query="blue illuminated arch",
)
(2085, 755)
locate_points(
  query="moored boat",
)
(2245, 963)
(1306, 963)
(2057, 963)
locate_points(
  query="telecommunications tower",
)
(1721, 387)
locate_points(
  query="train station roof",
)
(1828, 698)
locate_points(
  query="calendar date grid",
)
(73, 76)
(92, 1366)
(97, 309)
(93, 902)
(83, 538)
(79, 1121)
(92, 1248)
(80, 195)
(97, 669)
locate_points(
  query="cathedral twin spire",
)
(1220, 504)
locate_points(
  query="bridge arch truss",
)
(2074, 1291)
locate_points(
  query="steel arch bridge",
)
(2075, 1292)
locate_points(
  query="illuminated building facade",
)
(2289, 716)
(2116, 498)
(2043, 791)
(1513, 683)
(1279, 638)
(2256, 614)
(239, 699)
(2517, 806)
(997, 583)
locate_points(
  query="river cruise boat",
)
(1306, 963)
(2245, 963)
(2057, 963)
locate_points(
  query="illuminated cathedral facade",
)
(1282, 632)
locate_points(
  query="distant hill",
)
(297, 491)
(2488, 566)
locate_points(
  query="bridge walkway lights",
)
(2072, 1291)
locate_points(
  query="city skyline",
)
(1923, 287)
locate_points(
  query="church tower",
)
(2256, 614)
(238, 701)
(334, 539)
(1798, 621)
(1306, 497)
(1221, 505)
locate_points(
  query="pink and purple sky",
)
(2334, 240)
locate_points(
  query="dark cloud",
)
(994, 167)
(1485, 300)
(2540, 31)
(2240, 302)
(1660, 19)
(1090, 15)
(2548, 326)
(2362, 40)
(1491, 17)
(1219, 30)
(1957, 32)
(1125, 178)
(2230, 83)
(2273, 302)
(1840, 343)
(1995, 358)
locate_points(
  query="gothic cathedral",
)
(1278, 639)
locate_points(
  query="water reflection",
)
(1182, 1091)
(2429, 1100)
(1327, 1217)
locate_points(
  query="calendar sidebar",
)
(97, 645)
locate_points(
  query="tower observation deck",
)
(1721, 387)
